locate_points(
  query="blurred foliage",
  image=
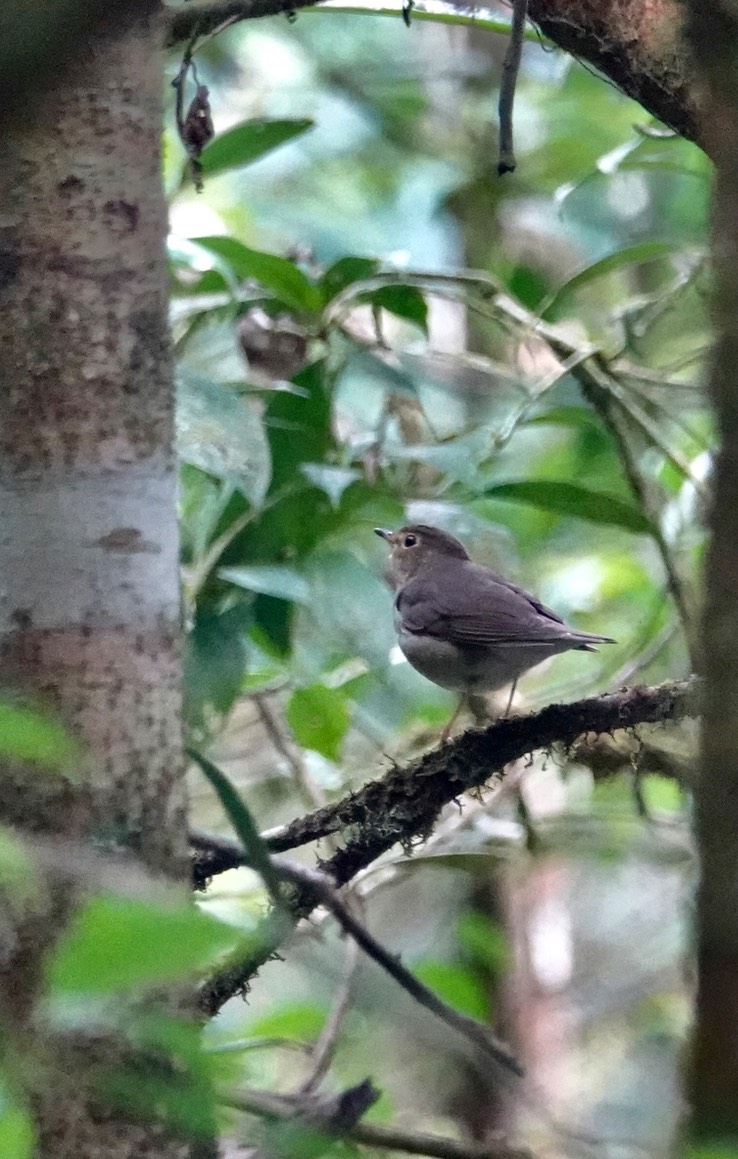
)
(370, 327)
(30, 735)
(357, 340)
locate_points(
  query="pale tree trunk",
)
(713, 32)
(89, 596)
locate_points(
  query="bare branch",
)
(323, 890)
(267, 1105)
(325, 1046)
(640, 47)
(310, 791)
(510, 68)
(403, 806)
(314, 888)
(198, 20)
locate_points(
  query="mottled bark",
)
(89, 605)
(38, 38)
(638, 44)
(714, 1077)
(89, 600)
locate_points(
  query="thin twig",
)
(597, 391)
(642, 419)
(200, 572)
(405, 804)
(325, 1046)
(317, 888)
(207, 17)
(225, 23)
(258, 1042)
(597, 381)
(309, 790)
(178, 84)
(510, 67)
(324, 890)
(267, 1105)
(646, 655)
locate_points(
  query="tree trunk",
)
(89, 598)
(714, 1075)
(638, 44)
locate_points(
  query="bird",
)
(464, 626)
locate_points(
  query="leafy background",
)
(377, 248)
(371, 327)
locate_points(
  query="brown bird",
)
(463, 626)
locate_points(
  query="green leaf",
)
(299, 1020)
(120, 943)
(718, 1149)
(571, 499)
(180, 1090)
(30, 736)
(644, 251)
(286, 280)
(282, 582)
(248, 141)
(456, 985)
(350, 606)
(344, 273)
(273, 618)
(296, 1140)
(290, 1139)
(663, 793)
(243, 823)
(484, 942)
(211, 350)
(215, 660)
(299, 424)
(202, 502)
(403, 301)
(458, 458)
(221, 432)
(198, 259)
(17, 1140)
(319, 718)
(528, 285)
(567, 416)
(332, 480)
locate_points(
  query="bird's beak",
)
(384, 533)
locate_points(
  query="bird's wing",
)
(480, 607)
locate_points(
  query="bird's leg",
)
(447, 730)
(477, 706)
(506, 713)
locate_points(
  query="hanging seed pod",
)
(196, 130)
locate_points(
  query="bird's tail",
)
(588, 642)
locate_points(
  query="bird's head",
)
(417, 547)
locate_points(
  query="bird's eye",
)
(410, 541)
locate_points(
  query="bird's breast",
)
(468, 668)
